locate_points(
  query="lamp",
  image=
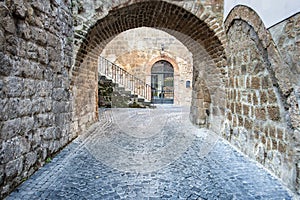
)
(162, 51)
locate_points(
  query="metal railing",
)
(124, 78)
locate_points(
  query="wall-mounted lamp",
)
(162, 51)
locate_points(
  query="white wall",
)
(270, 11)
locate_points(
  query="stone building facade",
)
(137, 50)
(245, 83)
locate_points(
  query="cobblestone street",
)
(150, 154)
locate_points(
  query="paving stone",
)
(78, 172)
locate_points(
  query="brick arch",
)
(175, 20)
(156, 14)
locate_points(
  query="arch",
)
(165, 58)
(167, 67)
(156, 14)
(187, 27)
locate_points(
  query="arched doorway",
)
(162, 83)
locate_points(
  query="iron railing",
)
(124, 78)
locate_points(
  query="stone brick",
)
(14, 168)
(238, 108)
(248, 83)
(43, 120)
(235, 121)
(255, 83)
(229, 116)
(60, 94)
(5, 65)
(240, 120)
(272, 132)
(274, 144)
(243, 69)
(42, 55)
(1, 175)
(266, 83)
(232, 107)
(255, 99)
(12, 44)
(245, 110)
(231, 82)
(249, 98)
(2, 41)
(282, 147)
(32, 51)
(237, 82)
(10, 129)
(248, 124)
(8, 24)
(260, 113)
(263, 139)
(263, 97)
(274, 113)
(272, 96)
(39, 35)
(30, 159)
(280, 134)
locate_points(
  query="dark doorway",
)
(162, 83)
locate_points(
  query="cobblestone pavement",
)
(150, 154)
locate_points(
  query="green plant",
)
(48, 160)
(24, 179)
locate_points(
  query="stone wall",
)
(286, 36)
(259, 93)
(35, 105)
(135, 51)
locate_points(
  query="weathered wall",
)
(134, 50)
(35, 105)
(259, 90)
(286, 36)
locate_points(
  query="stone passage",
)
(244, 81)
(164, 158)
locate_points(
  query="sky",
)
(270, 11)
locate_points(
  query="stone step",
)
(119, 96)
(134, 96)
(120, 89)
(141, 100)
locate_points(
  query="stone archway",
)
(193, 30)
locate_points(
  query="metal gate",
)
(162, 83)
